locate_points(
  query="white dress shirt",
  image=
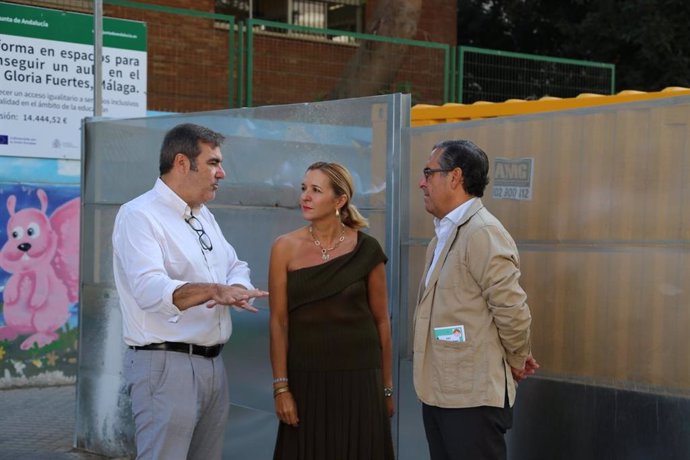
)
(443, 229)
(154, 252)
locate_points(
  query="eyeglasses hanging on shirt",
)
(204, 239)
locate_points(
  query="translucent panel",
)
(265, 155)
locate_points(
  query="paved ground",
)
(38, 424)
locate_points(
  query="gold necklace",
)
(325, 251)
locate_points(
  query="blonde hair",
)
(341, 181)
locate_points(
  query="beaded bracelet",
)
(280, 379)
(280, 390)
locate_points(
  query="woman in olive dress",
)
(330, 329)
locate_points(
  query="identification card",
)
(450, 333)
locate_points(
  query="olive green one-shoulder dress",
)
(334, 362)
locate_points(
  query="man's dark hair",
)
(471, 159)
(186, 139)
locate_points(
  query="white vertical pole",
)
(97, 58)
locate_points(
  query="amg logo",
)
(512, 172)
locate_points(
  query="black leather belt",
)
(207, 352)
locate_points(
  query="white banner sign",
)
(46, 78)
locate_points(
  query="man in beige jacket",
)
(472, 322)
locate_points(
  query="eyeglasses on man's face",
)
(429, 171)
(204, 239)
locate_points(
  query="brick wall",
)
(439, 22)
(188, 57)
(189, 63)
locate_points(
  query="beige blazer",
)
(474, 284)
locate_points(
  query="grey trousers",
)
(180, 404)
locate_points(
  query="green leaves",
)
(648, 40)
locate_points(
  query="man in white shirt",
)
(176, 275)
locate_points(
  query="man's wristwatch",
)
(387, 392)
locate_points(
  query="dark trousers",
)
(475, 433)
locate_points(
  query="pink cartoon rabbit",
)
(42, 256)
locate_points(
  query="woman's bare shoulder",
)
(289, 242)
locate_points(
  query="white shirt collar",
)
(452, 218)
(174, 200)
(443, 229)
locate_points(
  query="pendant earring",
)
(337, 212)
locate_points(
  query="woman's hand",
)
(390, 407)
(286, 409)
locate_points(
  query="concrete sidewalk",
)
(38, 424)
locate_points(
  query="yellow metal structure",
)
(425, 115)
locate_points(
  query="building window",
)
(323, 14)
